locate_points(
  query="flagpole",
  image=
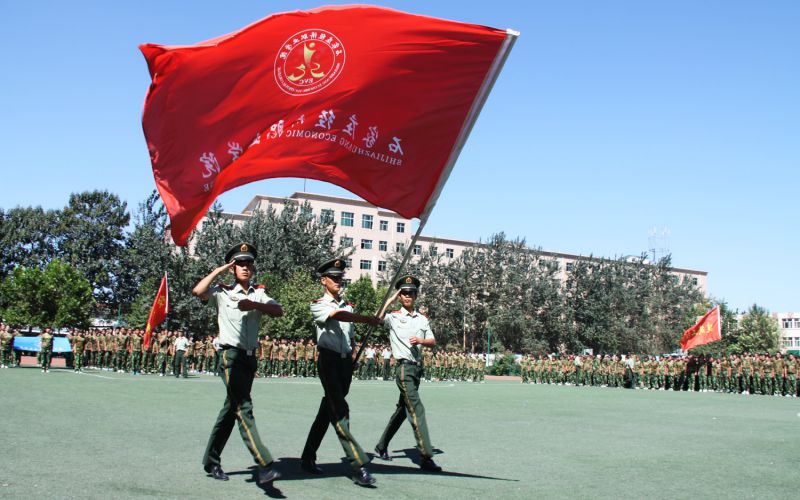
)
(472, 116)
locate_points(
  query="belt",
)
(331, 352)
(407, 362)
(249, 352)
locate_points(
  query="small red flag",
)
(374, 100)
(158, 313)
(707, 329)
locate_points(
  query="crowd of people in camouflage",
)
(765, 374)
(123, 350)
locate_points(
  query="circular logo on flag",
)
(309, 61)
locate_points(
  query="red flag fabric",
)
(158, 313)
(371, 99)
(707, 329)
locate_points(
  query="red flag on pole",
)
(374, 100)
(158, 313)
(707, 329)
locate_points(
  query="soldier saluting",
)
(240, 307)
(409, 331)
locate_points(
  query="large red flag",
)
(374, 100)
(707, 329)
(158, 313)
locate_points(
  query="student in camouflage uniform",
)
(6, 347)
(46, 340)
(77, 342)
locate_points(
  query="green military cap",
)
(333, 267)
(241, 251)
(407, 283)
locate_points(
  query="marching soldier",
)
(239, 308)
(409, 332)
(334, 320)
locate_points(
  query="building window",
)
(345, 282)
(366, 244)
(326, 215)
(383, 246)
(400, 247)
(449, 253)
(348, 262)
(434, 250)
(797, 322)
(787, 323)
(694, 281)
(570, 266)
(365, 264)
(417, 250)
(401, 227)
(366, 221)
(347, 219)
(381, 265)
(384, 225)
(344, 241)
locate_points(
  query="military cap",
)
(241, 251)
(407, 283)
(333, 267)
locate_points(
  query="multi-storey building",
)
(375, 233)
(789, 328)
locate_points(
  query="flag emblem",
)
(309, 61)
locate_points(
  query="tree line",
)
(61, 268)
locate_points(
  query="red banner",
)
(707, 329)
(158, 313)
(371, 99)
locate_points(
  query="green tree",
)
(145, 257)
(365, 301)
(91, 237)
(294, 296)
(57, 296)
(758, 332)
(27, 238)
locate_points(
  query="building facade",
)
(789, 328)
(376, 233)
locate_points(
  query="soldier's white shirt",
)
(238, 328)
(181, 343)
(402, 326)
(332, 334)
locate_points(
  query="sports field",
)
(107, 435)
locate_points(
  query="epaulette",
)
(395, 311)
(424, 316)
(259, 287)
(316, 300)
(226, 287)
(351, 305)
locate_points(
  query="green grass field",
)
(106, 435)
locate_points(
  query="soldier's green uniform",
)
(135, 363)
(6, 355)
(78, 342)
(46, 348)
(405, 325)
(238, 336)
(335, 342)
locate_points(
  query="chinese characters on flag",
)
(374, 100)
(158, 313)
(707, 329)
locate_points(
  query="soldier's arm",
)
(201, 288)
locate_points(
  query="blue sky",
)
(609, 119)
